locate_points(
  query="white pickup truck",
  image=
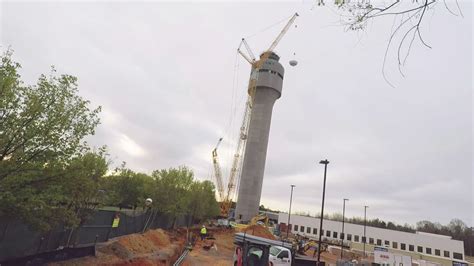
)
(279, 256)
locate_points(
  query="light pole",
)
(342, 235)
(289, 212)
(325, 162)
(365, 224)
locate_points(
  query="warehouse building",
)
(419, 245)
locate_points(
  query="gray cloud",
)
(163, 73)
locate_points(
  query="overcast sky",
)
(170, 84)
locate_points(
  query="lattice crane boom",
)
(282, 33)
(217, 171)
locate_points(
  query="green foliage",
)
(126, 188)
(80, 182)
(47, 174)
(65, 192)
(174, 191)
(203, 202)
(42, 123)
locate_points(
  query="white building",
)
(419, 244)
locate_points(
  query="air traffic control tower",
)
(268, 90)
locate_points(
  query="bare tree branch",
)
(392, 36)
(356, 14)
(447, 8)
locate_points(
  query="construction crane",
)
(217, 171)
(250, 57)
(244, 128)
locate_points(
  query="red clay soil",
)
(224, 241)
(155, 247)
(258, 230)
(159, 247)
(220, 255)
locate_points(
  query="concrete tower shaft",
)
(268, 90)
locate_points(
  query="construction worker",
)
(203, 232)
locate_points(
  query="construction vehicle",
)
(260, 219)
(237, 161)
(312, 244)
(254, 250)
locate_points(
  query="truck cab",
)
(279, 256)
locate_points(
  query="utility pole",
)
(289, 212)
(365, 224)
(342, 235)
(325, 162)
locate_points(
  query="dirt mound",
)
(220, 256)
(137, 244)
(138, 262)
(116, 249)
(258, 230)
(155, 247)
(159, 237)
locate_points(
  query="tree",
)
(41, 123)
(125, 188)
(47, 172)
(59, 193)
(263, 208)
(426, 226)
(408, 20)
(81, 182)
(336, 216)
(202, 200)
(171, 190)
(174, 191)
(457, 228)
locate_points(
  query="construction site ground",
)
(160, 247)
(155, 247)
(220, 254)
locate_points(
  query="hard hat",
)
(148, 202)
(293, 62)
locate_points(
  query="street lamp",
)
(342, 236)
(289, 212)
(325, 162)
(365, 224)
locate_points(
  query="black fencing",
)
(51, 256)
(17, 240)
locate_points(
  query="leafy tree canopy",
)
(48, 174)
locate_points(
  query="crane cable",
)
(228, 132)
(268, 27)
